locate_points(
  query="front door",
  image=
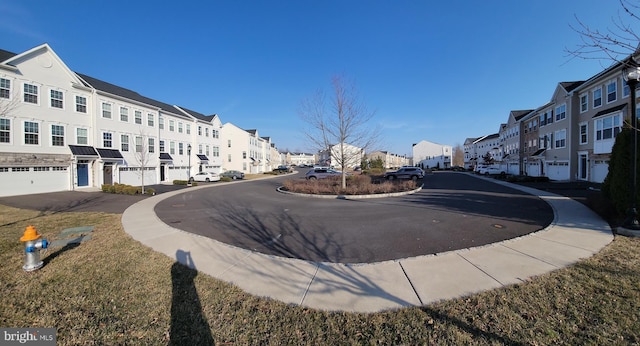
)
(582, 163)
(107, 173)
(83, 174)
(162, 172)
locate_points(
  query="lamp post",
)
(631, 75)
(189, 156)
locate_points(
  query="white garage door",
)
(558, 170)
(28, 180)
(599, 171)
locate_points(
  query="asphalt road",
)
(453, 211)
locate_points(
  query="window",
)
(161, 143)
(612, 91)
(597, 98)
(56, 99)
(229, 157)
(161, 123)
(5, 130)
(31, 132)
(583, 133)
(106, 110)
(172, 125)
(152, 145)
(81, 104)
(124, 114)
(188, 129)
(199, 148)
(199, 130)
(561, 112)
(107, 140)
(150, 120)
(139, 145)
(5, 88)
(81, 136)
(216, 151)
(206, 132)
(229, 144)
(180, 149)
(244, 154)
(137, 117)
(560, 138)
(584, 103)
(172, 148)
(216, 134)
(608, 128)
(57, 135)
(625, 89)
(31, 93)
(207, 150)
(124, 142)
(179, 127)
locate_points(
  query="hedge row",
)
(124, 189)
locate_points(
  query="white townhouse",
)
(61, 130)
(471, 152)
(301, 159)
(389, 160)
(45, 107)
(244, 150)
(432, 155)
(332, 156)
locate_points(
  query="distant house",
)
(432, 155)
(389, 160)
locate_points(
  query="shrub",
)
(225, 179)
(150, 191)
(180, 182)
(616, 185)
(356, 185)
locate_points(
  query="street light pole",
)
(189, 155)
(632, 76)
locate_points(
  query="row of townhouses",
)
(61, 130)
(569, 138)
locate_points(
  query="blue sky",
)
(437, 71)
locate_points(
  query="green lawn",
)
(111, 290)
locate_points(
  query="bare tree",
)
(458, 156)
(142, 154)
(614, 43)
(339, 124)
(9, 104)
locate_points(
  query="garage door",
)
(599, 171)
(558, 170)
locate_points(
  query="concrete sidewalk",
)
(575, 233)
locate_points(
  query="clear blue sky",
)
(438, 71)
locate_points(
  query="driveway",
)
(453, 211)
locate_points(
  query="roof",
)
(539, 152)
(519, 114)
(570, 86)
(83, 150)
(610, 110)
(5, 55)
(165, 157)
(203, 157)
(109, 153)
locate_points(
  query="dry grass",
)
(111, 290)
(356, 185)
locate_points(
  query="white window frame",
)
(560, 139)
(107, 110)
(30, 93)
(80, 107)
(615, 127)
(124, 142)
(584, 102)
(584, 134)
(124, 114)
(56, 99)
(150, 120)
(138, 143)
(109, 140)
(6, 130)
(137, 117)
(172, 125)
(593, 92)
(612, 94)
(56, 135)
(5, 88)
(152, 145)
(78, 136)
(24, 132)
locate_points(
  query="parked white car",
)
(206, 176)
(490, 170)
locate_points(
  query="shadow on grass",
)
(188, 324)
